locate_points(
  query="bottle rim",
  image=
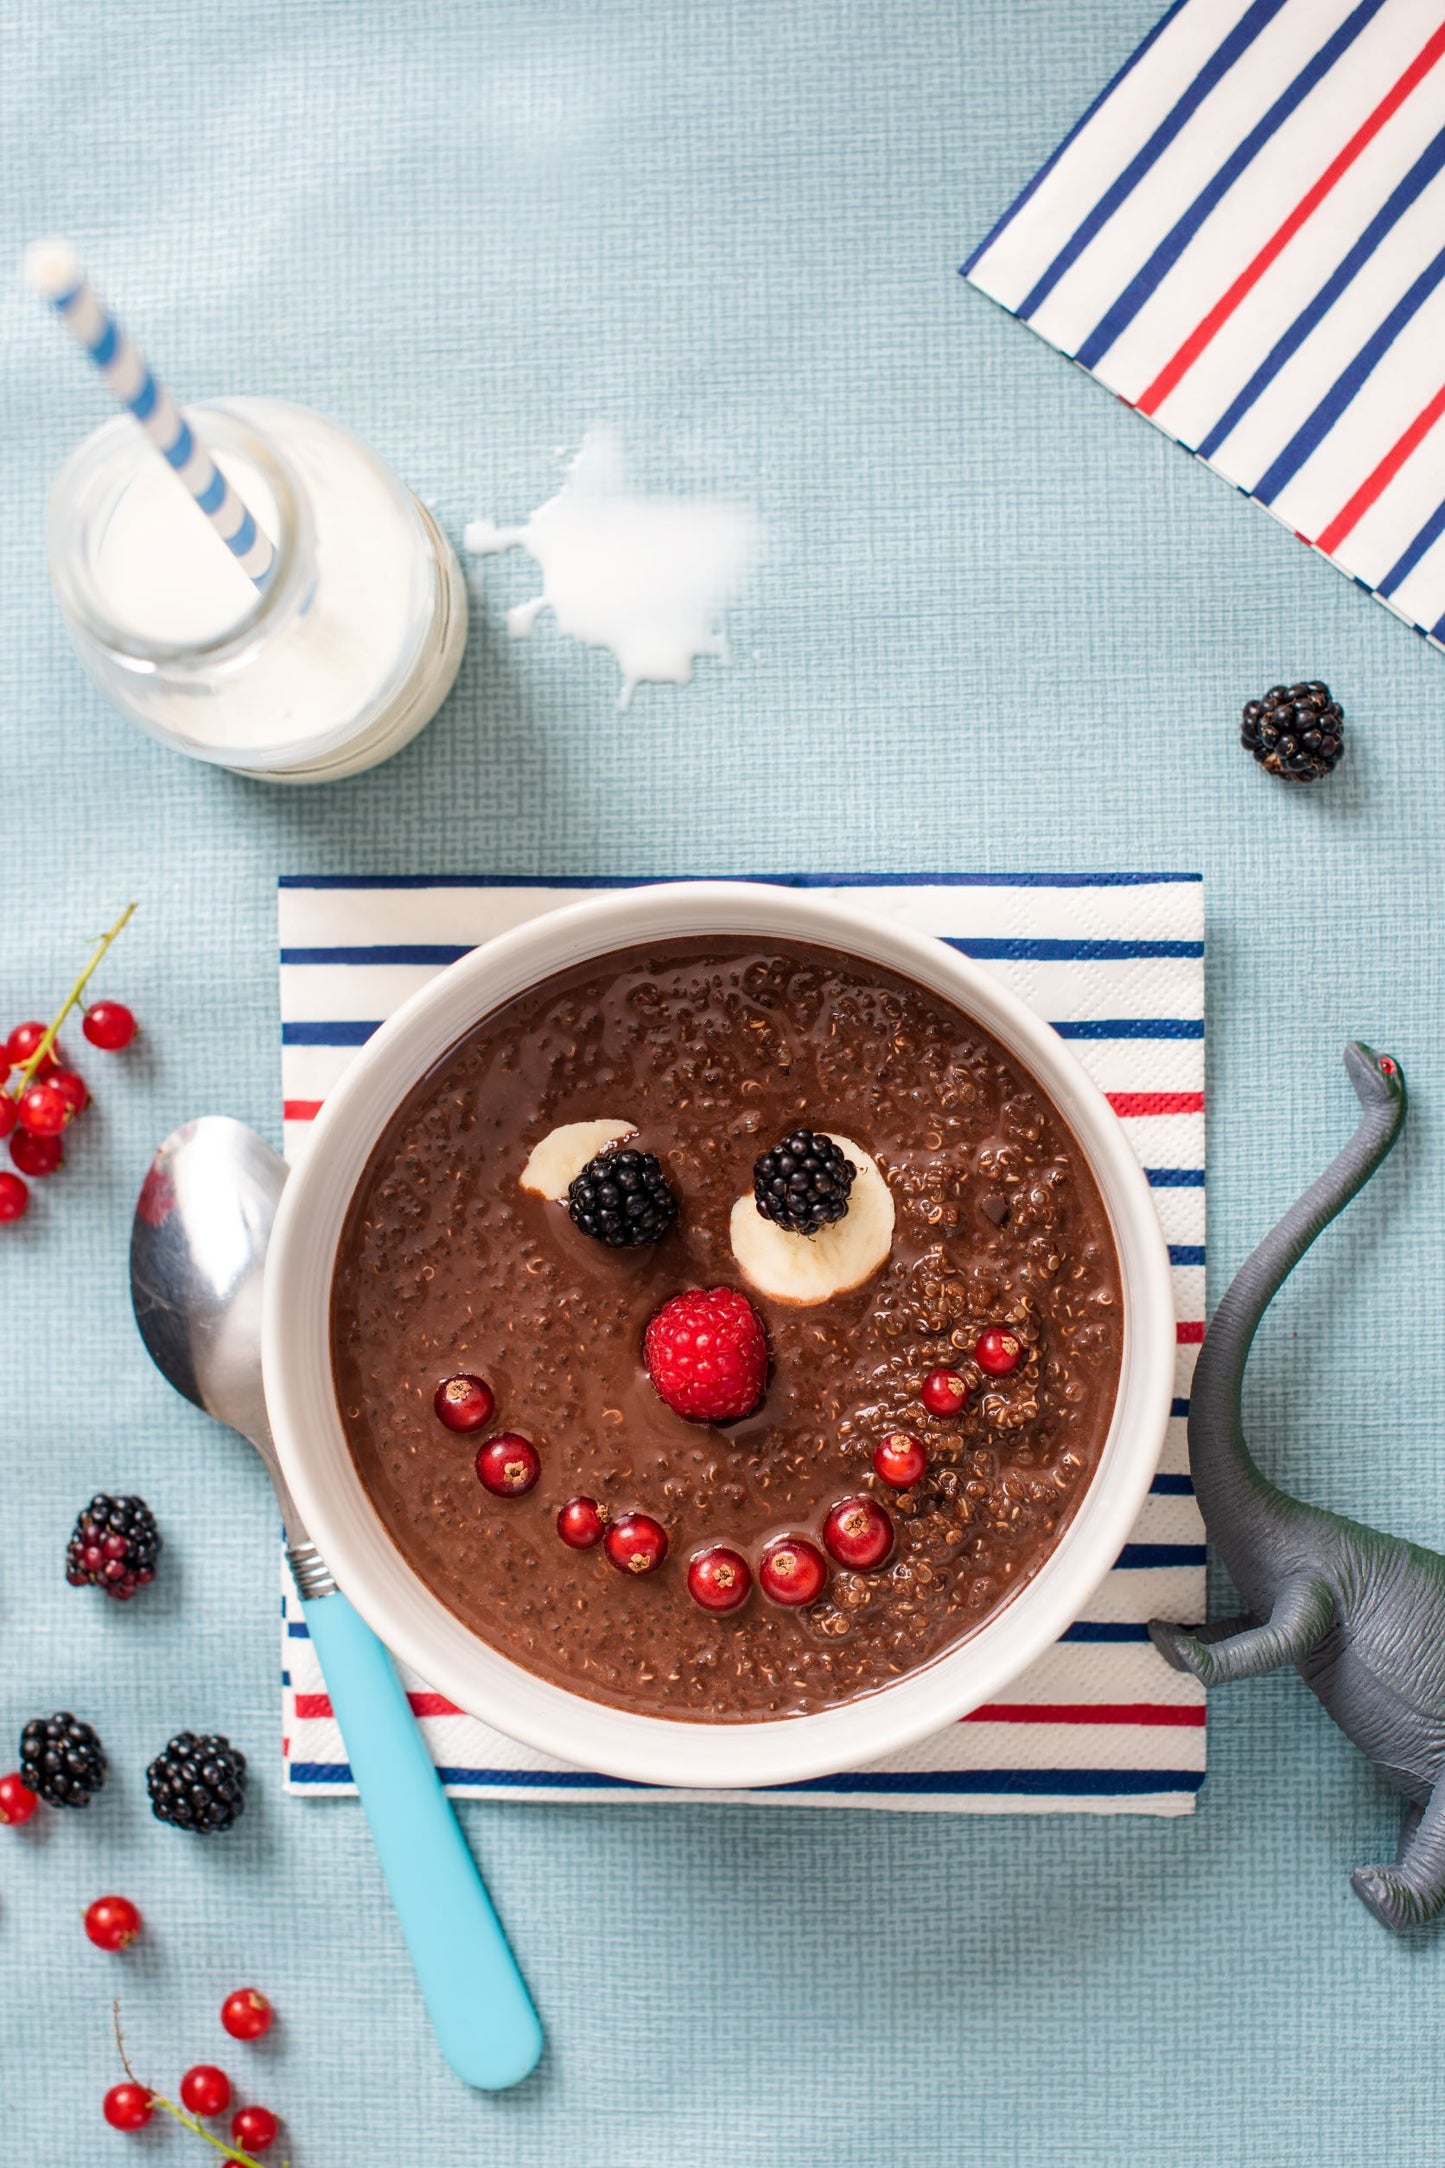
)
(87, 487)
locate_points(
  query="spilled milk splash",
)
(646, 577)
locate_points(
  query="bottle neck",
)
(143, 577)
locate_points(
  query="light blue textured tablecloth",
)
(1001, 622)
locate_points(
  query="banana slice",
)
(562, 1154)
(804, 1269)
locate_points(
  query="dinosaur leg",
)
(1168, 1637)
(1224, 1629)
(1300, 1619)
(1409, 1823)
(1413, 1890)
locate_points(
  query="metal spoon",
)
(197, 1252)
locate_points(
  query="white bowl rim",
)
(417, 1626)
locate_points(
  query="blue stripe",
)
(1132, 1027)
(1137, 1555)
(1173, 1486)
(298, 1629)
(1083, 121)
(1186, 1253)
(1008, 949)
(1312, 433)
(105, 344)
(981, 949)
(179, 450)
(770, 880)
(1174, 1177)
(244, 537)
(339, 1034)
(213, 496)
(1179, 1410)
(1182, 232)
(1238, 42)
(390, 952)
(1406, 562)
(1028, 1783)
(1424, 170)
(143, 404)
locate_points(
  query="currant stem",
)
(232, 2152)
(27, 1074)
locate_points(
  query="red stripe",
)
(1156, 1102)
(433, 1705)
(300, 1110)
(1184, 358)
(1087, 1712)
(1382, 475)
(1190, 1335)
(310, 1708)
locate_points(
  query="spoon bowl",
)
(197, 1257)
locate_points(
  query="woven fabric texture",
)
(1000, 623)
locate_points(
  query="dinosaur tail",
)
(1233, 1495)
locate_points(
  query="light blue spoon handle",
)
(484, 2019)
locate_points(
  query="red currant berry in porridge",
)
(900, 1459)
(792, 1571)
(636, 1543)
(719, 1579)
(507, 1465)
(944, 1392)
(998, 1353)
(859, 1534)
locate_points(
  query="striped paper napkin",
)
(1116, 960)
(1242, 237)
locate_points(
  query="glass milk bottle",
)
(344, 654)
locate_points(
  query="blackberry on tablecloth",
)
(62, 1760)
(1295, 731)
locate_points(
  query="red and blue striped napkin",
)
(1116, 962)
(1244, 238)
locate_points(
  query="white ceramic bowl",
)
(419, 1627)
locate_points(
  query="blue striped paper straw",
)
(53, 270)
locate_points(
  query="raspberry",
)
(707, 1355)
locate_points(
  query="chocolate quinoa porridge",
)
(996, 1302)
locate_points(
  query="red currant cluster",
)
(113, 1923)
(508, 1465)
(998, 1354)
(792, 1570)
(40, 1094)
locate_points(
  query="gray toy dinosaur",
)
(1360, 1614)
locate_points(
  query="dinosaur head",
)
(1378, 1079)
